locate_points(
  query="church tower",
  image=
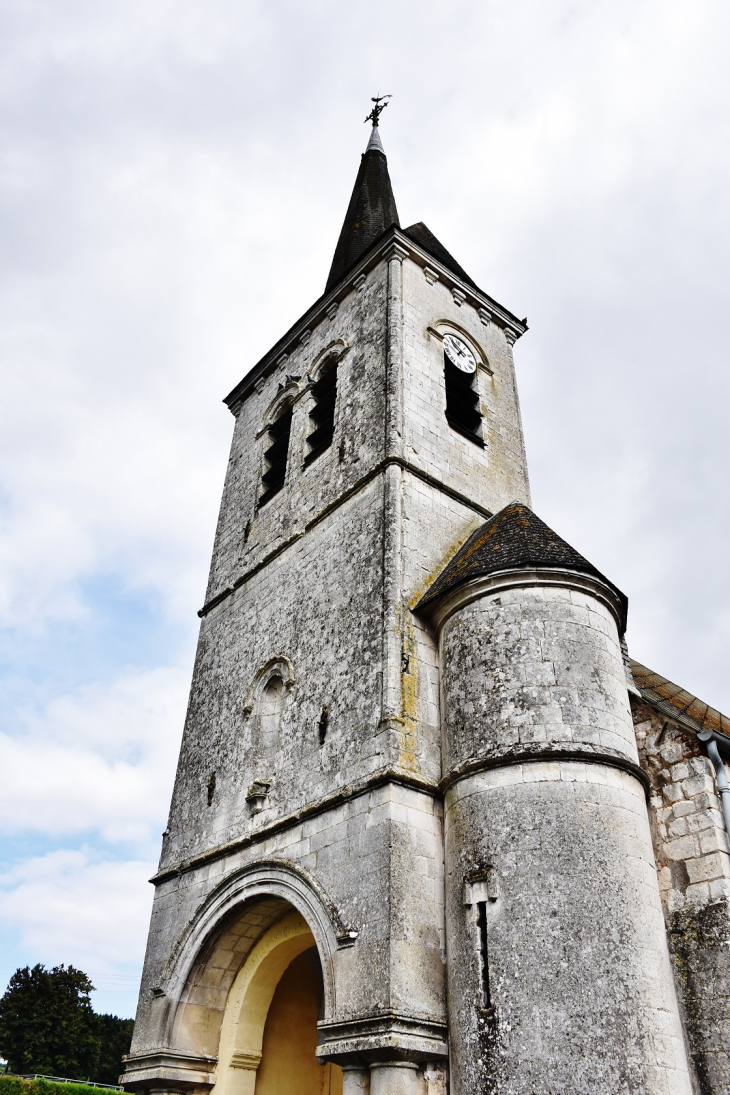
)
(408, 845)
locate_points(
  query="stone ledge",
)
(401, 1037)
(164, 1068)
(258, 836)
(341, 499)
(539, 754)
(521, 577)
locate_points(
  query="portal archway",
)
(269, 1028)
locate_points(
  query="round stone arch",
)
(334, 352)
(278, 666)
(223, 934)
(262, 723)
(441, 327)
(249, 999)
(286, 397)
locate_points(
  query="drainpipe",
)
(718, 747)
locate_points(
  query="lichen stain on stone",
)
(425, 584)
(698, 940)
(490, 1050)
(407, 757)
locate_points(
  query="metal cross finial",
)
(380, 105)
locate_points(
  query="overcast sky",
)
(174, 174)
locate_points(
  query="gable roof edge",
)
(317, 312)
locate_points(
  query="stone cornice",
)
(168, 1069)
(312, 809)
(392, 244)
(521, 755)
(440, 610)
(424, 476)
(402, 1037)
(540, 754)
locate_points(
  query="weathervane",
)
(380, 105)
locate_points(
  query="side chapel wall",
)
(693, 864)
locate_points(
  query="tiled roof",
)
(677, 702)
(514, 537)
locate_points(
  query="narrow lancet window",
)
(322, 415)
(324, 721)
(276, 454)
(271, 703)
(462, 399)
(483, 952)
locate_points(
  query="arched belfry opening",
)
(253, 999)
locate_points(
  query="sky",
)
(173, 177)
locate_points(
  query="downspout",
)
(715, 743)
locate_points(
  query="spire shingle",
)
(370, 212)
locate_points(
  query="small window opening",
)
(462, 398)
(271, 704)
(324, 721)
(211, 789)
(483, 953)
(276, 455)
(322, 415)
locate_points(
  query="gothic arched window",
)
(275, 457)
(322, 415)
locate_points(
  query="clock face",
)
(459, 354)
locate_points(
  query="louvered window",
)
(322, 415)
(462, 398)
(275, 456)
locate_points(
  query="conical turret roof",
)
(514, 538)
(370, 212)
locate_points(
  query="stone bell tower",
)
(408, 822)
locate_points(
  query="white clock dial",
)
(459, 354)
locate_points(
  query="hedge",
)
(14, 1085)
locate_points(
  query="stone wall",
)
(691, 849)
(492, 476)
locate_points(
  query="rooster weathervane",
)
(380, 105)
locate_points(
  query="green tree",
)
(47, 1024)
(116, 1038)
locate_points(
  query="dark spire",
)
(371, 210)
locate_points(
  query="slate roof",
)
(425, 238)
(514, 537)
(677, 702)
(370, 213)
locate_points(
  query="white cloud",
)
(71, 906)
(74, 908)
(98, 761)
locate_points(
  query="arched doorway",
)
(269, 1029)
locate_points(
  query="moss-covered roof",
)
(515, 537)
(677, 702)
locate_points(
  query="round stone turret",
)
(556, 944)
